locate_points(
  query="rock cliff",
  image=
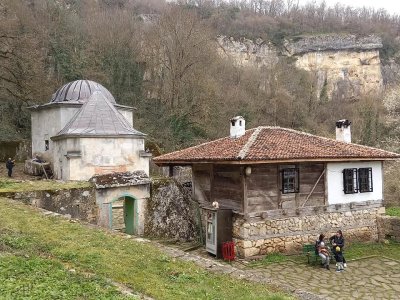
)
(345, 66)
(245, 52)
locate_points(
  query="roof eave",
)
(53, 104)
(65, 136)
(275, 161)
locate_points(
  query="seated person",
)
(323, 251)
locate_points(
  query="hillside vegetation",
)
(46, 257)
(161, 58)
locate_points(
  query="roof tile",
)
(274, 144)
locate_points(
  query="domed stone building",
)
(84, 134)
(82, 131)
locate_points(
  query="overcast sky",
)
(391, 6)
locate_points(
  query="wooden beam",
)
(315, 185)
(278, 186)
(326, 185)
(212, 184)
(244, 190)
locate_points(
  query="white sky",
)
(391, 6)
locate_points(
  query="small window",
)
(365, 180)
(290, 180)
(350, 181)
(46, 145)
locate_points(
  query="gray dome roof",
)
(80, 91)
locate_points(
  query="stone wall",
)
(79, 203)
(288, 234)
(389, 228)
(170, 211)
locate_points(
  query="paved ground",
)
(371, 278)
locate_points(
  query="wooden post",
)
(326, 185)
(278, 186)
(244, 190)
(44, 171)
(212, 183)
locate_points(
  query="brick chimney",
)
(343, 132)
(238, 127)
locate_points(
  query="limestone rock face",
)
(331, 42)
(344, 66)
(245, 52)
(344, 74)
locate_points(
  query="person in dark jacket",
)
(337, 240)
(10, 166)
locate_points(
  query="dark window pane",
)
(290, 180)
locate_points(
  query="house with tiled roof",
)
(84, 134)
(284, 187)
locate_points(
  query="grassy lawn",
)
(40, 278)
(11, 185)
(28, 239)
(393, 211)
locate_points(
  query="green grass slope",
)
(32, 245)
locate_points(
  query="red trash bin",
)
(228, 251)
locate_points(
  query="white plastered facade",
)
(335, 186)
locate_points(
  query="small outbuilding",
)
(285, 187)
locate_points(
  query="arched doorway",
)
(124, 214)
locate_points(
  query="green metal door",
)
(129, 215)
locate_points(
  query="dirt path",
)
(18, 172)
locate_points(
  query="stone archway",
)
(124, 214)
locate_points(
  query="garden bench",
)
(309, 251)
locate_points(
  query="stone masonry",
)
(289, 234)
(389, 227)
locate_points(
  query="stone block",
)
(247, 244)
(247, 252)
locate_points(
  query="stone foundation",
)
(288, 234)
(389, 228)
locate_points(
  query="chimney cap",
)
(343, 123)
(236, 118)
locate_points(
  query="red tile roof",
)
(269, 144)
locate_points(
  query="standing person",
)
(322, 251)
(338, 240)
(10, 166)
(339, 259)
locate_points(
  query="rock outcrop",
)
(245, 52)
(344, 66)
(331, 42)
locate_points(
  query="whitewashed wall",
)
(105, 197)
(98, 156)
(127, 113)
(334, 183)
(47, 122)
